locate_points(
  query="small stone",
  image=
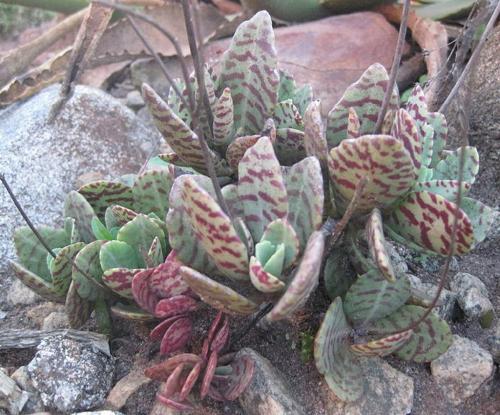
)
(3, 314)
(398, 262)
(462, 281)
(425, 292)
(388, 391)
(268, 393)
(135, 100)
(23, 380)
(56, 320)
(12, 398)
(493, 342)
(39, 312)
(472, 296)
(462, 369)
(20, 294)
(70, 376)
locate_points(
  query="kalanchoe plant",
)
(248, 98)
(222, 377)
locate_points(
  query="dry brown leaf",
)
(126, 387)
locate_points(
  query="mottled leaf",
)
(304, 281)
(353, 124)
(446, 188)
(209, 374)
(261, 187)
(165, 279)
(236, 150)
(103, 193)
(223, 125)
(120, 280)
(426, 137)
(382, 159)
(427, 219)
(36, 283)
(176, 336)
(160, 329)
(77, 309)
(178, 304)
(289, 146)
(249, 68)
(151, 190)
(383, 346)
(449, 167)
(221, 337)
(262, 280)
(481, 216)
(286, 115)
(131, 312)
(190, 381)
(303, 97)
(154, 256)
(239, 379)
(372, 297)
(429, 339)
(314, 133)
(365, 97)
(161, 371)
(142, 291)
(376, 244)
(77, 207)
(215, 230)
(87, 266)
(61, 267)
(405, 129)
(122, 215)
(287, 86)
(173, 383)
(217, 295)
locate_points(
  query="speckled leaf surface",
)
(481, 216)
(372, 297)
(236, 150)
(155, 255)
(261, 187)
(448, 168)
(142, 291)
(304, 281)
(215, 231)
(429, 339)
(427, 219)
(223, 126)
(151, 190)
(230, 195)
(77, 207)
(365, 97)
(383, 346)
(314, 133)
(426, 137)
(287, 86)
(376, 244)
(405, 129)
(289, 146)
(333, 358)
(77, 309)
(177, 304)
(353, 124)
(304, 186)
(36, 283)
(120, 280)
(249, 68)
(303, 97)
(122, 215)
(32, 254)
(61, 267)
(166, 280)
(217, 295)
(174, 102)
(446, 188)
(242, 370)
(382, 159)
(286, 115)
(103, 193)
(87, 260)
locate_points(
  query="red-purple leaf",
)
(144, 296)
(176, 336)
(405, 129)
(239, 379)
(220, 339)
(158, 332)
(120, 280)
(172, 384)
(190, 381)
(236, 150)
(161, 371)
(165, 279)
(209, 374)
(174, 404)
(179, 304)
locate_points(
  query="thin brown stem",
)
(395, 66)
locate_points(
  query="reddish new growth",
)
(222, 377)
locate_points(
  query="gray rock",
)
(19, 294)
(398, 262)
(70, 376)
(135, 100)
(388, 392)
(3, 314)
(94, 132)
(56, 320)
(472, 295)
(12, 398)
(39, 312)
(268, 393)
(493, 342)
(23, 380)
(98, 413)
(425, 292)
(462, 369)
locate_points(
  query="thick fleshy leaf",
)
(426, 137)
(173, 383)
(287, 86)
(151, 190)
(215, 231)
(154, 256)
(122, 215)
(314, 133)
(190, 381)
(262, 280)
(304, 186)
(304, 281)
(166, 280)
(261, 187)
(230, 194)
(353, 124)
(173, 404)
(223, 126)
(333, 357)
(365, 97)
(448, 168)
(372, 297)
(249, 68)
(427, 219)
(338, 274)
(32, 254)
(209, 374)
(131, 312)
(178, 304)
(429, 339)
(71, 231)
(382, 159)
(480, 215)
(178, 135)
(174, 102)
(176, 336)
(61, 267)
(405, 129)
(87, 260)
(221, 337)
(280, 231)
(77, 207)
(161, 371)
(139, 233)
(36, 283)
(100, 231)
(217, 295)
(303, 97)
(120, 280)
(236, 150)
(77, 309)
(383, 346)
(376, 244)
(289, 146)
(117, 254)
(142, 291)
(240, 377)
(160, 329)
(286, 115)
(103, 193)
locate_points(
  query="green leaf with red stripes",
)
(382, 159)
(365, 97)
(223, 125)
(372, 297)
(376, 244)
(120, 216)
(265, 277)
(104, 193)
(448, 168)
(87, 265)
(303, 97)
(304, 281)
(287, 86)
(217, 295)
(77, 309)
(446, 188)
(427, 219)
(430, 339)
(481, 216)
(304, 185)
(120, 280)
(286, 115)
(314, 133)
(383, 346)
(405, 129)
(77, 207)
(236, 150)
(261, 187)
(61, 267)
(39, 285)
(289, 146)
(334, 360)
(215, 231)
(353, 124)
(249, 69)
(151, 190)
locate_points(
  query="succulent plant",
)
(250, 97)
(224, 378)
